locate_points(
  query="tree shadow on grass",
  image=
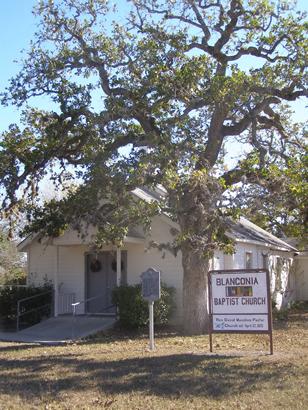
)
(15, 346)
(118, 334)
(164, 376)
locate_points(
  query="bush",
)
(12, 263)
(299, 305)
(17, 276)
(133, 309)
(292, 307)
(9, 296)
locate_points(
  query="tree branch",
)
(287, 93)
(234, 12)
(243, 124)
(203, 26)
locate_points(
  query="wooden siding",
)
(140, 256)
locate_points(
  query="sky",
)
(17, 26)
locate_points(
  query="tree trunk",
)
(200, 225)
(195, 311)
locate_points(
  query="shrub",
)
(12, 263)
(9, 296)
(16, 276)
(293, 306)
(299, 305)
(133, 309)
(281, 314)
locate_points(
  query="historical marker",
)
(151, 284)
(151, 292)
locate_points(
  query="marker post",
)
(151, 292)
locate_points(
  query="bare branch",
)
(287, 93)
(204, 27)
(246, 121)
(235, 11)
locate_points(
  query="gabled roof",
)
(132, 236)
(242, 230)
(22, 246)
(149, 195)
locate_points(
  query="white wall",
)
(71, 277)
(41, 263)
(282, 287)
(72, 237)
(140, 256)
(238, 259)
(43, 266)
(218, 262)
(282, 278)
(301, 277)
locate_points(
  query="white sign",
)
(240, 323)
(239, 293)
(239, 301)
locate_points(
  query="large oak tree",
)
(156, 97)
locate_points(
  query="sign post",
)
(240, 302)
(151, 292)
(151, 325)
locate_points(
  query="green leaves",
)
(133, 309)
(151, 100)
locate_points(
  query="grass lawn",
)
(116, 371)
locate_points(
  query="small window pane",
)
(248, 260)
(265, 261)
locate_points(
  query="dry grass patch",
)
(116, 371)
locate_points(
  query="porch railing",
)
(22, 310)
(65, 302)
(85, 302)
(13, 286)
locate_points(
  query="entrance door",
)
(101, 278)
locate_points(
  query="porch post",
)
(56, 288)
(118, 266)
(28, 266)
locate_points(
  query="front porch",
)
(79, 274)
(87, 289)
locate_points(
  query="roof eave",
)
(25, 243)
(260, 243)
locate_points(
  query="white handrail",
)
(74, 305)
(86, 300)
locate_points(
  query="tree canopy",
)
(280, 203)
(157, 98)
(12, 264)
